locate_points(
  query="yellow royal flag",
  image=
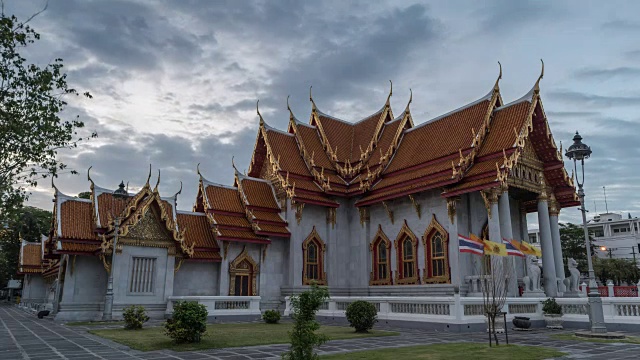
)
(473, 237)
(493, 248)
(528, 249)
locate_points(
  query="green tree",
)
(31, 130)
(618, 270)
(572, 240)
(85, 195)
(29, 224)
(303, 336)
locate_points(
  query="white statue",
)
(532, 280)
(572, 281)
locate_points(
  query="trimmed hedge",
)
(362, 315)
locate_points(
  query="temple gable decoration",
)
(380, 249)
(243, 272)
(406, 245)
(436, 253)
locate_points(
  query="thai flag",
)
(470, 246)
(511, 248)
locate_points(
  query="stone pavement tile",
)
(234, 357)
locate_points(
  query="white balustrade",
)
(221, 305)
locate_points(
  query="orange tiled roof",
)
(208, 255)
(68, 246)
(241, 235)
(276, 229)
(501, 134)
(259, 193)
(386, 139)
(441, 137)
(285, 145)
(197, 230)
(76, 221)
(348, 138)
(31, 254)
(230, 220)
(222, 198)
(109, 205)
(313, 145)
(267, 216)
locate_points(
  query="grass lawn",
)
(90, 323)
(628, 340)
(453, 352)
(224, 335)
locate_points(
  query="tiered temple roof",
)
(475, 147)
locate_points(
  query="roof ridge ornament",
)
(88, 175)
(234, 166)
(536, 87)
(291, 116)
(258, 111)
(388, 103)
(314, 108)
(148, 177)
(54, 185)
(496, 87)
(406, 110)
(155, 189)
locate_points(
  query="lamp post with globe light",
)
(578, 152)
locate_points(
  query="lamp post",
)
(578, 152)
(107, 314)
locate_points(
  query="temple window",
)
(381, 259)
(243, 272)
(313, 249)
(406, 245)
(142, 275)
(436, 244)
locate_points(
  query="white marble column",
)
(454, 246)
(497, 265)
(554, 211)
(506, 231)
(548, 263)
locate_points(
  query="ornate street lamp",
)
(578, 152)
(107, 313)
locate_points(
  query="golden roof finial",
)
(127, 188)
(155, 189)
(390, 93)
(406, 110)
(313, 103)
(536, 87)
(291, 117)
(496, 87)
(198, 170)
(234, 165)
(54, 185)
(88, 175)
(148, 177)
(258, 111)
(175, 197)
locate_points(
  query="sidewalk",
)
(24, 336)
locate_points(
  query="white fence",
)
(470, 310)
(221, 305)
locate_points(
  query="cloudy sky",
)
(175, 82)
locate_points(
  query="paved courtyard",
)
(24, 336)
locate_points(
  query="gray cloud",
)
(592, 100)
(605, 74)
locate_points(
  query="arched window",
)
(406, 245)
(380, 259)
(313, 249)
(436, 245)
(242, 275)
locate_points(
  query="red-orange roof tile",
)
(259, 193)
(223, 198)
(284, 145)
(76, 220)
(31, 254)
(313, 145)
(197, 230)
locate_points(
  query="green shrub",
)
(134, 316)
(303, 334)
(271, 316)
(188, 322)
(550, 306)
(362, 315)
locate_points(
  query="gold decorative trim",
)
(107, 266)
(299, 206)
(331, 216)
(451, 207)
(264, 251)
(389, 212)
(236, 269)
(225, 247)
(364, 215)
(554, 206)
(434, 226)
(416, 206)
(314, 237)
(404, 232)
(377, 238)
(178, 265)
